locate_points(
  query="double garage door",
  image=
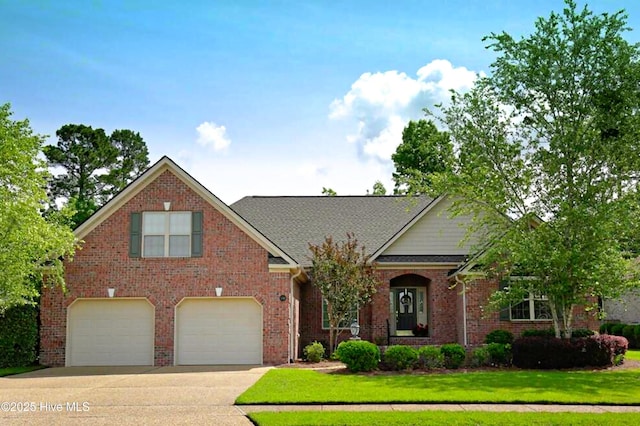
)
(207, 331)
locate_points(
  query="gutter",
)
(292, 338)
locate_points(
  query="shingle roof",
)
(294, 222)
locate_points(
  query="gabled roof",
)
(166, 164)
(294, 222)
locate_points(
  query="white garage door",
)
(219, 331)
(110, 332)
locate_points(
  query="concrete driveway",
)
(127, 395)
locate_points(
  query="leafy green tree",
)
(347, 282)
(131, 161)
(83, 153)
(30, 246)
(548, 160)
(424, 150)
(96, 166)
(378, 189)
(328, 192)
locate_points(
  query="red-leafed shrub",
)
(547, 353)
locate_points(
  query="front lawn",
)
(633, 354)
(301, 386)
(440, 418)
(9, 371)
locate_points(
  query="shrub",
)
(499, 336)
(480, 357)
(499, 353)
(431, 357)
(400, 357)
(616, 329)
(582, 332)
(605, 327)
(18, 336)
(314, 352)
(358, 355)
(547, 332)
(454, 355)
(545, 353)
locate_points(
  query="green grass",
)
(633, 354)
(440, 418)
(300, 386)
(9, 371)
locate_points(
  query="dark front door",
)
(406, 305)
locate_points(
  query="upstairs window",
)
(166, 234)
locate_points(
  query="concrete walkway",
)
(445, 407)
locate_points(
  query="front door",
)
(406, 314)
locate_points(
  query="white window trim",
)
(323, 310)
(532, 300)
(167, 235)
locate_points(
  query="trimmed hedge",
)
(454, 355)
(499, 336)
(358, 355)
(314, 352)
(431, 357)
(630, 331)
(18, 336)
(400, 357)
(547, 353)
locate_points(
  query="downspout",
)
(292, 338)
(464, 310)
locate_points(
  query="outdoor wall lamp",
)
(218, 291)
(355, 330)
(167, 206)
(111, 292)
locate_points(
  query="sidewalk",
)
(246, 409)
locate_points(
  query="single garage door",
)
(110, 332)
(218, 331)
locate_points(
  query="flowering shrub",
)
(420, 330)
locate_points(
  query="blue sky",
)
(255, 98)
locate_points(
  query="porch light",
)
(111, 292)
(355, 330)
(167, 206)
(218, 291)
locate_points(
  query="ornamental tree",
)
(345, 279)
(30, 245)
(547, 160)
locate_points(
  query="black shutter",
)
(505, 314)
(196, 234)
(135, 235)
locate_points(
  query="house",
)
(168, 274)
(625, 310)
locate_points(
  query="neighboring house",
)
(625, 310)
(170, 275)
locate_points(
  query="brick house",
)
(170, 275)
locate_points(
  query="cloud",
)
(212, 135)
(382, 103)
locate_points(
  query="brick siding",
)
(231, 259)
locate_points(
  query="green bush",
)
(499, 336)
(314, 352)
(605, 327)
(18, 336)
(480, 357)
(400, 357)
(582, 332)
(358, 355)
(499, 354)
(454, 355)
(547, 332)
(431, 357)
(616, 329)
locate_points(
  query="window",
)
(532, 308)
(353, 316)
(166, 234)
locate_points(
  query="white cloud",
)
(382, 103)
(212, 135)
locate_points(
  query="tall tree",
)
(378, 189)
(29, 244)
(83, 153)
(548, 160)
(131, 160)
(424, 150)
(345, 279)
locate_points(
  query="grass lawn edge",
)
(12, 371)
